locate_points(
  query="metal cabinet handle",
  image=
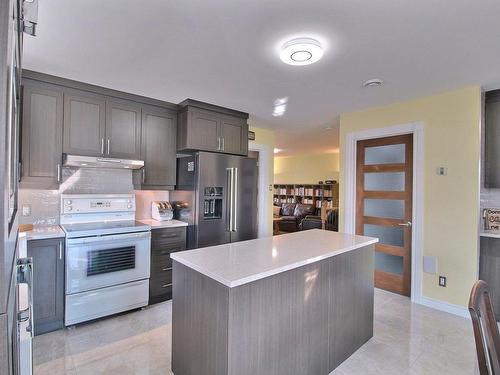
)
(102, 146)
(60, 251)
(166, 285)
(222, 143)
(166, 269)
(218, 143)
(108, 145)
(58, 172)
(143, 174)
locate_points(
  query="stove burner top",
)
(104, 228)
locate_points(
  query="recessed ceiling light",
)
(375, 82)
(301, 51)
(277, 150)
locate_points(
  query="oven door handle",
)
(108, 238)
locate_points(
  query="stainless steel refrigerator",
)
(222, 192)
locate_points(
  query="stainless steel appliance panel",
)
(245, 212)
(211, 170)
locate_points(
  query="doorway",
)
(384, 209)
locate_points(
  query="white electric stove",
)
(107, 256)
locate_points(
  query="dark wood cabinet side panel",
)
(351, 303)
(199, 323)
(280, 317)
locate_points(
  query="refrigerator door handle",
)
(235, 199)
(229, 199)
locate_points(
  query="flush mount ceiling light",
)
(375, 82)
(301, 51)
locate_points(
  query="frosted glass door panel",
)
(388, 208)
(387, 235)
(389, 263)
(385, 181)
(390, 154)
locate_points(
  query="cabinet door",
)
(234, 135)
(84, 123)
(159, 146)
(41, 135)
(48, 284)
(202, 131)
(123, 129)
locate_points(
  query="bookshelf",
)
(314, 194)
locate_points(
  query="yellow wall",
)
(451, 203)
(306, 169)
(266, 137)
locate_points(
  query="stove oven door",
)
(103, 261)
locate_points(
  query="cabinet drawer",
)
(161, 261)
(166, 237)
(161, 270)
(160, 287)
(166, 249)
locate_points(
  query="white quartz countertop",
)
(43, 232)
(243, 262)
(164, 224)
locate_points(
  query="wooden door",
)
(234, 135)
(203, 131)
(84, 123)
(158, 147)
(384, 207)
(42, 135)
(48, 284)
(123, 129)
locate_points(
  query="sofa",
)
(292, 215)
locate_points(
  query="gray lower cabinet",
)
(48, 284)
(164, 241)
(159, 127)
(41, 135)
(123, 129)
(207, 127)
(84, 123)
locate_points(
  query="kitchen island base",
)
(306, 320)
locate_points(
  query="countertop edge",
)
(163, 225)
(262, 275)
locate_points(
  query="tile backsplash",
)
(44, 204)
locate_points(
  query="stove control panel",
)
(91, 203)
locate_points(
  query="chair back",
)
(485, 329)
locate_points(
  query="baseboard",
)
(445, 306)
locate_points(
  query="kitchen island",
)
(299, 303)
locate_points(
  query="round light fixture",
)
(375, 82)
(301, 51)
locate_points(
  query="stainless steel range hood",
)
(101, 162)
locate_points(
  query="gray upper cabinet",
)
(123, 129)
(84, 123)
(234, 135)
(48, 284)
(41, 135)
(207, 127)
(159, 128)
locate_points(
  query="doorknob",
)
(407, 224)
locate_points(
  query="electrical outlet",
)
(442, 281)
(26, 210)
(441, 171)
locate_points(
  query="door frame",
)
(349, 191)
(266, 158)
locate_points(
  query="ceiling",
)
(225, 52)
